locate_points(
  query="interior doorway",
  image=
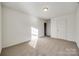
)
(45, 29)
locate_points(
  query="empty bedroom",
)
(39, 28)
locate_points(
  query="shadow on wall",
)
(34, 37)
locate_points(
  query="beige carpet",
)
(44, 46)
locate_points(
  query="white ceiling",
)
(55, 9)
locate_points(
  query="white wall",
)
(63, 27)
(71, 27)
(41, 27)
(17, 26)
(0, 29)
(77, 26)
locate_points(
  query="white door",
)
(53, 28)
(61, 27)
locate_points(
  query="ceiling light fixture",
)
(45, 9)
